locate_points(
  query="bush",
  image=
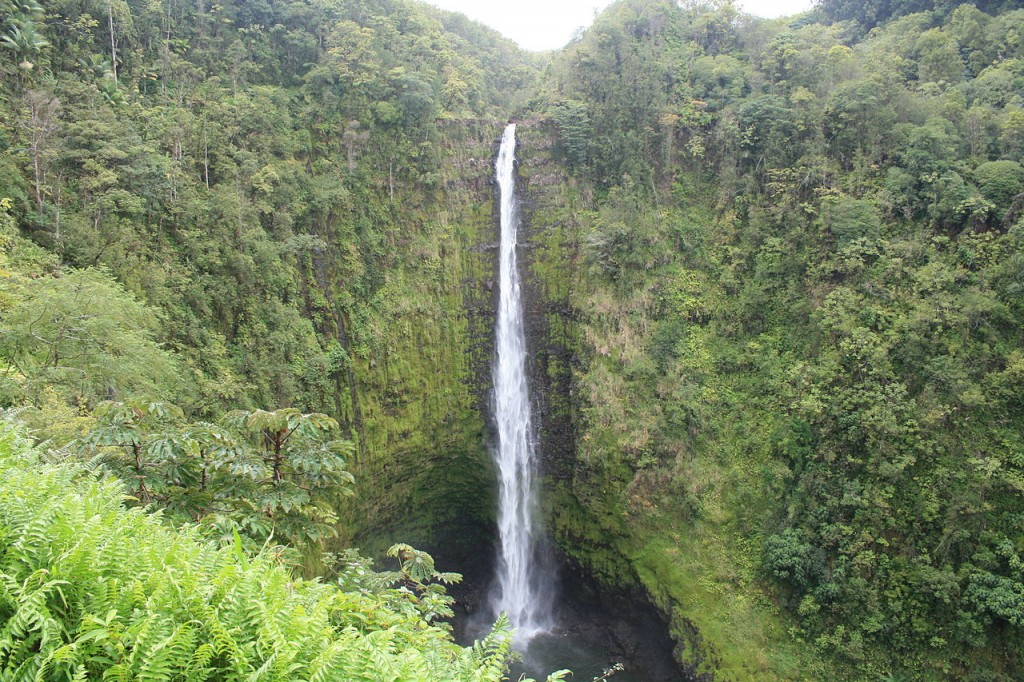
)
(790, 559)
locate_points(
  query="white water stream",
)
(517, 591)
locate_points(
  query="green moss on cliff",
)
(622, 492)
(422, 369)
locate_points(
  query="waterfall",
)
(517, 591)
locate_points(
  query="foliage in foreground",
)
(92, 590)
(267, 474)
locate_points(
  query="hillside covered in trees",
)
(802, 327)
(777, 273)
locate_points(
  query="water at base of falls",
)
(596, 629)
(519, 589)
(588, 659)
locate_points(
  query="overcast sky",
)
(549, 24)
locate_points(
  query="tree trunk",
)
(113, 43)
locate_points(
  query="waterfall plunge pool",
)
(594, 629)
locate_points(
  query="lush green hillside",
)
(799, 421)
(212, 209)
(298, 193)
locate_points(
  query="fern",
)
(90, 590)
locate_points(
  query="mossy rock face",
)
(614, 521)
(550, 201)
(418, 401)
(415, 394)
(583, 513)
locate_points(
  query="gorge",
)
(770, 276)
(556, 627)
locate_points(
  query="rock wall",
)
(585, 517)
(419, 399)
(416, 394)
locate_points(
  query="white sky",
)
(549, 24)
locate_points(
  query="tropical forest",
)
(347, 340)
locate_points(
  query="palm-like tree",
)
(21, 35)
(24, 39)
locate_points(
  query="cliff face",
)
(551, 201)
(584, 506)
(416, 394)
(607, 510)
(419, 401)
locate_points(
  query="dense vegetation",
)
(786, 259)
(212, 161)
(803, 318)
(245, 207)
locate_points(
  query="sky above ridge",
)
(549, 24)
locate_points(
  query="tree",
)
(305, 471)
(1001, 182)
(573, 122)
(131, 427)
(22, 37)
(265, 473)
(353, 140)
(192, 469)
(41, 123)
(871, 13)
(939, 58)
(79, 330)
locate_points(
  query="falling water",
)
(517, 592)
